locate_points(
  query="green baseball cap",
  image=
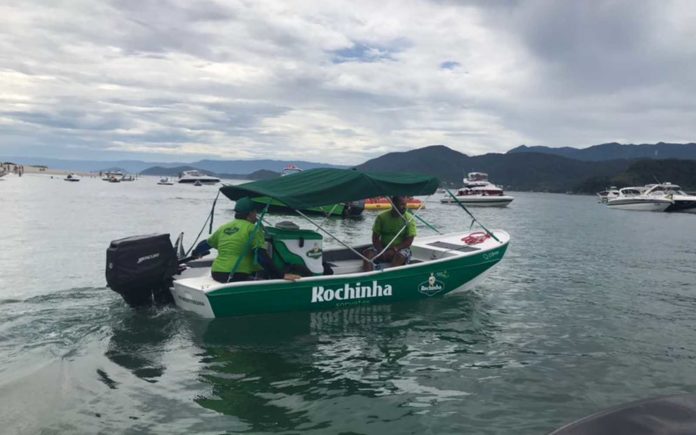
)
(246, 205)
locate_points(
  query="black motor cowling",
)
(140, 268)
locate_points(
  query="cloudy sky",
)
(340, 82)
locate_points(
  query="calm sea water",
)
(590, 308)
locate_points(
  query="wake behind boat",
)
(146, 267)
(479, 192)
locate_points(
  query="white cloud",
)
(340, 82)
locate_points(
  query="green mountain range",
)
(537, 168)
(534, 171)
(616, 151)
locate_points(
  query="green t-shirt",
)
(230, 240)
(387, 226)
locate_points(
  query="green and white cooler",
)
(296, 250)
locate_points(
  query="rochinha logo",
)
(315, 252)
(347, 292)
(432, 286)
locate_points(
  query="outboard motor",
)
(140, 268)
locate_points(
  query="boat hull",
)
(480, 201)
(682, 205)
(190, 181)
(640, 204)
(412, 282)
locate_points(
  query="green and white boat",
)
(441, 264)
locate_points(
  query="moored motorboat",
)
(193, 176)
(681, 202)
(633, 198)
(141, 268)
(164, 181)
(606, 195)
(478, 192)
(290, 169)
(72, 177)
(112, 176)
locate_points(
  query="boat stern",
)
(190, 295)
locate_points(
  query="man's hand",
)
(291, 277)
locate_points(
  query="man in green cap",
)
(232, 242)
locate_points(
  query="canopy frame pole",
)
(209, 218)
(490, 233)
(415, 215)
(333, 237)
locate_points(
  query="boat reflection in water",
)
(298, 371)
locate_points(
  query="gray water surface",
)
(589, 308)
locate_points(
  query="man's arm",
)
(377, 242)
(265, 261)
(201, 250)
(405, 244)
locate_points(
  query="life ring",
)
(476, 238)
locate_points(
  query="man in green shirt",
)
(387, 226)
(240, 238)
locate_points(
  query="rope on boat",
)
(472, 216)
(210, 230)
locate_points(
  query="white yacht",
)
(194, 176)
(290, 169)
(606, 195)
(680, 201)
(479, 192)
(634, 198)
(110, 176)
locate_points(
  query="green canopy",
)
(324, 186)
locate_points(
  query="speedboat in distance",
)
(634, 198)
(194, 176)
(606, 195)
